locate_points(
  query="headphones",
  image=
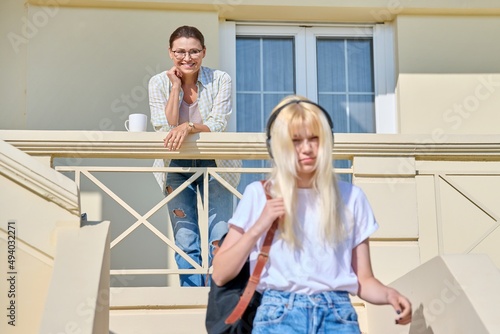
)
(275, 114)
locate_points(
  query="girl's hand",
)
(174, 75)
(176, 137)
(274, 209)
(402, 306)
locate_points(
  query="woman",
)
(320, 252)
(190, 98)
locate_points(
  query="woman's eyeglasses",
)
(194, 53)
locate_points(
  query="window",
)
(265, 70)
(349, 70)
(345, 83)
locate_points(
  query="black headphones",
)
(275, 114)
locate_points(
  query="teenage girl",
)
(320, 253)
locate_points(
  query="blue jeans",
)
(287, 312)
(183, 214)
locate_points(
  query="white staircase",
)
(56, 267)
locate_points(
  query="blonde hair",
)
(294, 117)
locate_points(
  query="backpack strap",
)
(254, 279)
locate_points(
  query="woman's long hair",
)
(293, 118)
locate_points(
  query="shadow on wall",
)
(419, 324)
(454, 293)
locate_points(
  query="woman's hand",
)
(175, 75)
(176, 136)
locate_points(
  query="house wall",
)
(448, 74)
(88, 68)
(90, 60)
(12, 65)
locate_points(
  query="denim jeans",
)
(183, 214)
(287, 312)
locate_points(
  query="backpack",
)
(232, 307)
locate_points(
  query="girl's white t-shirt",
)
(317, 267)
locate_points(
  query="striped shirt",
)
(214, 102)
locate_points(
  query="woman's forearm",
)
(172, 106)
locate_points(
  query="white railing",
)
(142, 220)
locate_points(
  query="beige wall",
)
(457, 208)
(12, 65)
(394, 246)
(449, 74)
(31, 286)
(89, 68)
(448, 44)
(85, 68)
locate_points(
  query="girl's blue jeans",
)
(183, 214)
(321, 313)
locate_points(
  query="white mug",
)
(136, 123)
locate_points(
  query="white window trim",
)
(386, 115)
(386, 118)
(227, 63)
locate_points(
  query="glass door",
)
(329, 65)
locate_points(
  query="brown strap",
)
(254, 279)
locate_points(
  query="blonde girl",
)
(320, 252)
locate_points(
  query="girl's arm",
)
(372, 290)
(237, 245)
